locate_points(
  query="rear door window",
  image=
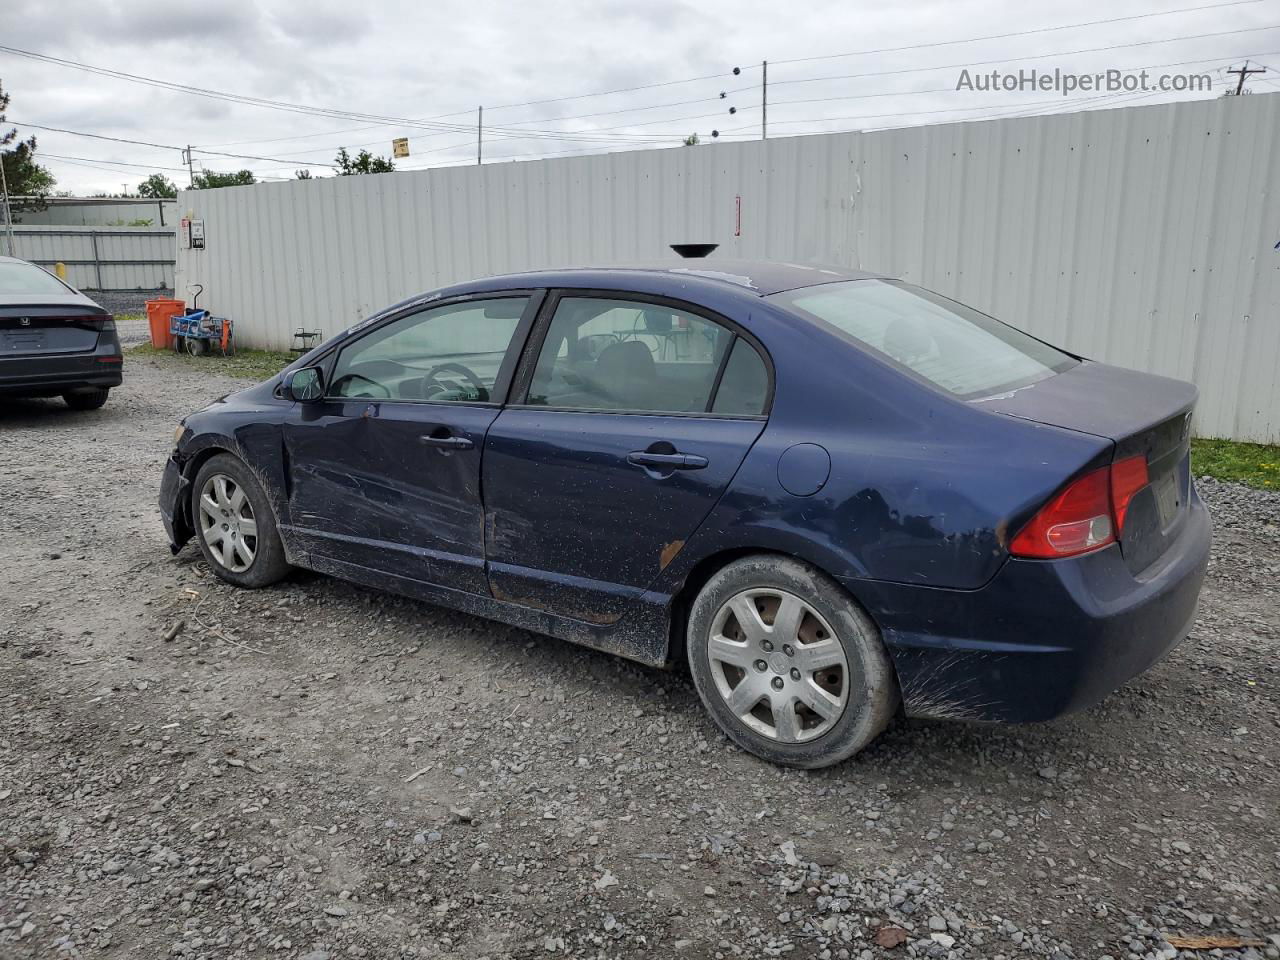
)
(630, 355)
(946, 343)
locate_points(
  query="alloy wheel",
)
(778, 665)
(227, 523)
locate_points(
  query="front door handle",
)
(446, 441)
(666, 461)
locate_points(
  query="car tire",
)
(825, 684)
(237, 505)
(91, 398)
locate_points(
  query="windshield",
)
(19, 277)
(948, 344)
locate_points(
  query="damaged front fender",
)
(175, 498)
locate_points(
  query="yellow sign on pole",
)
(400, 147)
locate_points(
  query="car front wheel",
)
(234, 524)
(787, 664)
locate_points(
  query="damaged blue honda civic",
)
(834, 495)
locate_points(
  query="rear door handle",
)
(666, 461)
(447, 442)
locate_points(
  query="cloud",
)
(439, 61)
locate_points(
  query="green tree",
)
(691, 140)
(25, 177)
(363, 162)
(303, 175)
(157, 186)
(210, 179)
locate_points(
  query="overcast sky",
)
(434, 63)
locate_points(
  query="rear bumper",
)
(52, 375)
(174, 492)
(1044, 637)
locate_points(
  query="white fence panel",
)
(1144, 236)
(102, 258)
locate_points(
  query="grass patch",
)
(246, 364)
(1254, 464)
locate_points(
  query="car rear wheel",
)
(90, 398)
(234, 524)
(787, 664)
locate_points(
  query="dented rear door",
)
(575, 526)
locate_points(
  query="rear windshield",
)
(16, 277)
(946, 343)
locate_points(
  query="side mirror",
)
(304, 386)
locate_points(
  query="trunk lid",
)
(1142, 414)
(50, 329)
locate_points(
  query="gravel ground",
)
(318, 770)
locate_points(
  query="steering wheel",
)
(341, 387)
(432, 379)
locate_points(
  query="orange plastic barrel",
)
(158, 313)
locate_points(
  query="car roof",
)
(758, 277)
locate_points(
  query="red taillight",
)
(1087, 515)
(1075, 521)
(1128, 477)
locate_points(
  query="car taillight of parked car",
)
(1088, 514)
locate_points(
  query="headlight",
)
(177, 433)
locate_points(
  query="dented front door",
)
(393, 487)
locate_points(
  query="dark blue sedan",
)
(831, 493)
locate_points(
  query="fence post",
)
(97, 263)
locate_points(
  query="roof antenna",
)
(694, 251)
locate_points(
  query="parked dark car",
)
(54, 341)
(830, 492)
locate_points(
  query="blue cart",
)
(197, 332)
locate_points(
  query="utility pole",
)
(480, 135)
(186, 157)
(8, 211)
(1244, 72)
(764, 100)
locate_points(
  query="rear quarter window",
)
(744, 385)
(946, 343)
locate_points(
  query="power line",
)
(911, 93)
(514, 134)
(833, 56)
(267, 103)
(165, 146)
(1018, 33)
(119, 163)
(509, 133)
(706, 116)
(1034, 56)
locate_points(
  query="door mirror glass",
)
(305, 385)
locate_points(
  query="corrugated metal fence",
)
(1143, 236)
(102, 258)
